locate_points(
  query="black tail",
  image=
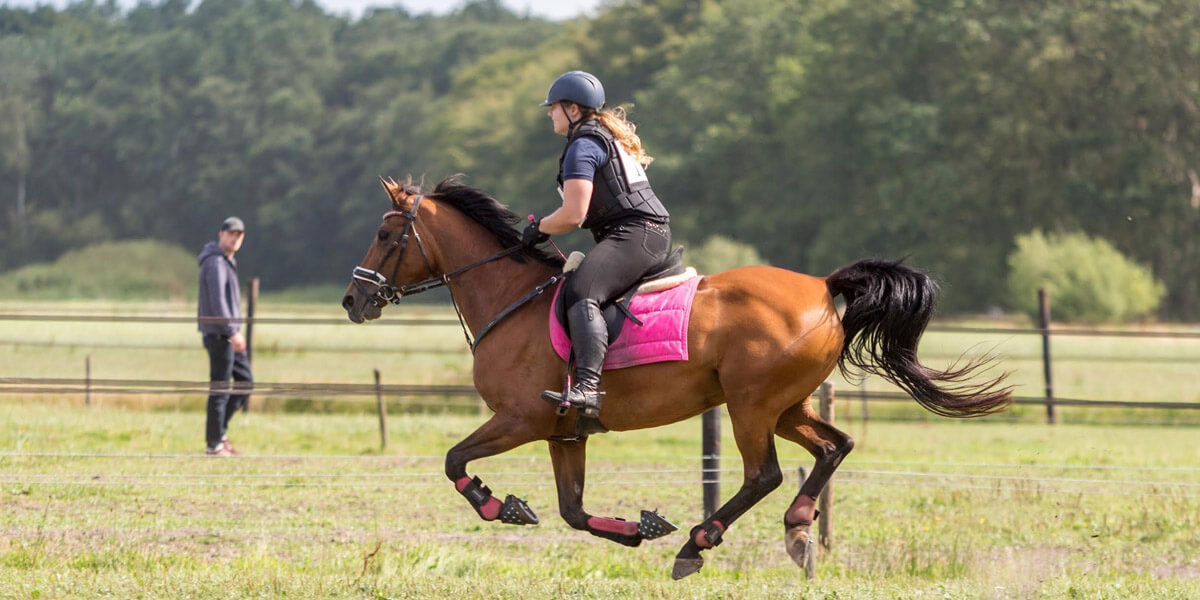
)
(888, 306)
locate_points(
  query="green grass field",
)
(107, 502)
(114, 501)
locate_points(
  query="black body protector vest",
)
(625, 193)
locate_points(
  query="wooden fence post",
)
(1044, 313)
(250, 311)
(383, 432)
(866, 408)
(710, 461)
(252, 305)
(825, 501)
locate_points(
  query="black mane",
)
(491, 214)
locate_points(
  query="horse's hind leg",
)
(568, 459)
(829, 446)
(761, 475)
(499, 434)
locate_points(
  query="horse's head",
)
(475, 230)
(395, 256)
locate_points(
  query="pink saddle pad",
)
(662, 336)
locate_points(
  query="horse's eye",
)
(383, 235)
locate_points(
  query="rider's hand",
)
(532, 236)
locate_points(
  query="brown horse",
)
(760, 339)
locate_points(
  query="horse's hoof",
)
(685, 567)
(654, 525)
(798, 541)
(516, 512)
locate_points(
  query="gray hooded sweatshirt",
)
(219, 292)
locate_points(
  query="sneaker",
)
(218, 451)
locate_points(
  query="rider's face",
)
(558, 116)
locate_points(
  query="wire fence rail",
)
(60, 385)
(463, 350)
(193, 319)
(439, 321)
(668, 475)
(538, 458)
(366, 391)
(1046, 330)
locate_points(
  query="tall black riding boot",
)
(589, 340)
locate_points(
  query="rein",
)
(385, 292)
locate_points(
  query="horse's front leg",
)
(499, 434)
(568, 459)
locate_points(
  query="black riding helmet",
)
(578, 87)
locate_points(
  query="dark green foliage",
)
(938, 130)
(823, 132)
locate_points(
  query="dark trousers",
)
(618, 261)
(224, 365)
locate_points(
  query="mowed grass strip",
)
(108, 502)
(335, 350)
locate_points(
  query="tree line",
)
(816, 131)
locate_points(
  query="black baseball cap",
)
(233, 224)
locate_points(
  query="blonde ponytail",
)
(623, 130)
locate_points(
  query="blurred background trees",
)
(810, 133)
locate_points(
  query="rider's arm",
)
(577, 196)
(579, 167)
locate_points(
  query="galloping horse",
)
(761, 340)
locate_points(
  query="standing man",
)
(220, 312)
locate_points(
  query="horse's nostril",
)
(348, 302)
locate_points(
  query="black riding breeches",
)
(619, 260)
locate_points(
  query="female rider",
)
(603, 184)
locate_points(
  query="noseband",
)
(385, 292)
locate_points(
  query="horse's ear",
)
(395, 190)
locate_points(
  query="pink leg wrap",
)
(490, 509)
(801, 511)
(613, 525)
(702, 539)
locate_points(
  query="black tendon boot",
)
(589, 340)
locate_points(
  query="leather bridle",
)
(385, 292)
